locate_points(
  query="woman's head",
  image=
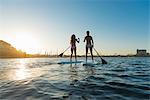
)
(73, 37)
(88, 33)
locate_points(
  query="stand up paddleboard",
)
(68, 62)
(90, 63)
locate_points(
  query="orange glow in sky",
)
(26, 42)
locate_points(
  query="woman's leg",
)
(75, 54)
(71, 54)
(91, 52)
(86, 53)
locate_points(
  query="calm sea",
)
(122, 78)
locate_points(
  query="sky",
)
(36, 26)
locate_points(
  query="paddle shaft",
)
(66, 49)
(97, 53)
(103, 61)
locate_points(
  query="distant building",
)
(141, 52)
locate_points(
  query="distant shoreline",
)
(66, 56)
(8, 51)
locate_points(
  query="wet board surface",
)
(69, 62)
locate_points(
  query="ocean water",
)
(122, 78)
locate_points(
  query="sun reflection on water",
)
(21, 72)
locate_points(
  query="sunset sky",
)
(36, 26)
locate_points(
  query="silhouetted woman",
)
(73, 46)
(89, 44)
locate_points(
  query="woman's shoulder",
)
(88, 36)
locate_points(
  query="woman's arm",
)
(92, 41)
(84, 39)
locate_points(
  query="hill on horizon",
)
(7, 50)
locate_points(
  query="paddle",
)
(63, 52)
(103, 61)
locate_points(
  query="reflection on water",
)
(41, 79)
(20, 74)
(21, 71)
(73, 72)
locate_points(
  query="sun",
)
(26, 42)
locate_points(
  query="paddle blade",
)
(103, 61)
(61, 55)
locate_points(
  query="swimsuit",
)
(73, 46)
(89, 46)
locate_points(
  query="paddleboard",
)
(90, 63)
(68, 62)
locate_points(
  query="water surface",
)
(122, 78)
